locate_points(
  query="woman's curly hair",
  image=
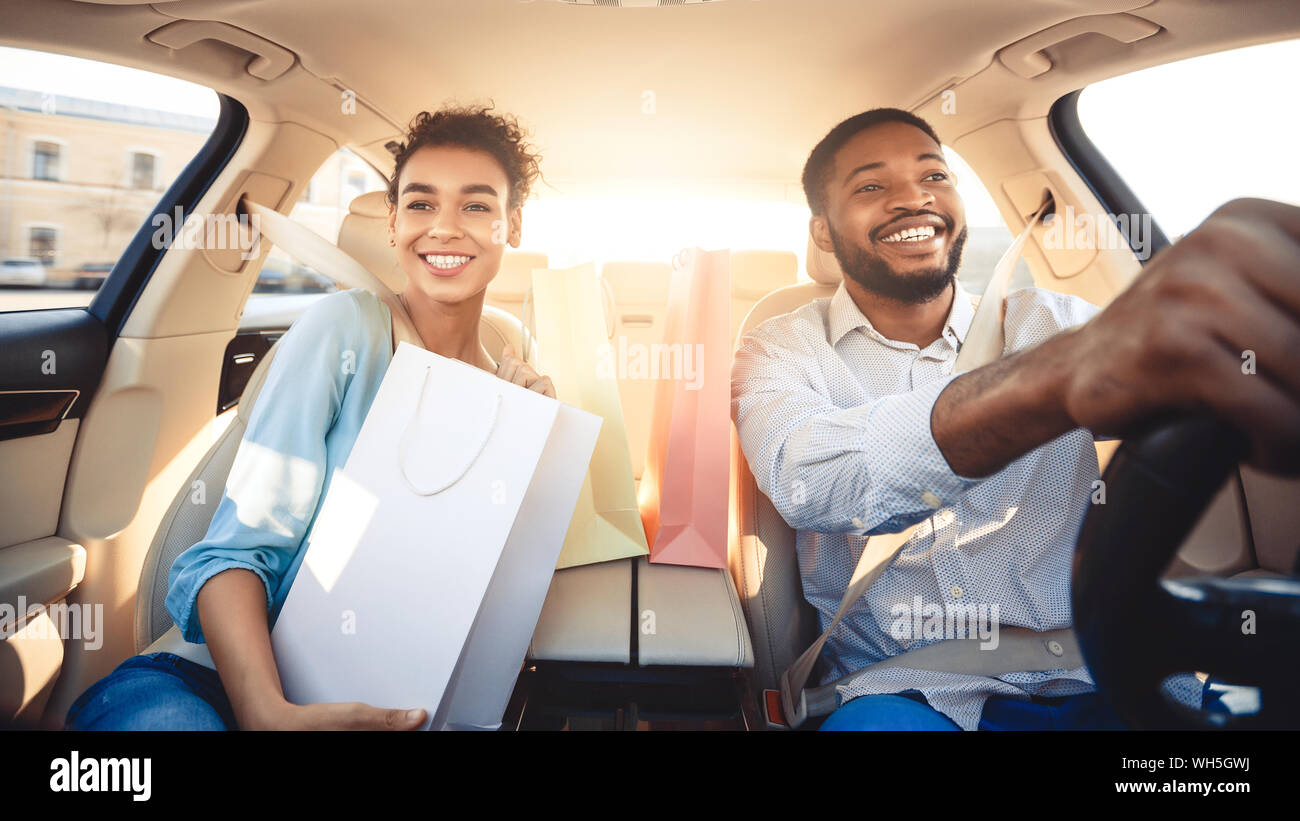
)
(475, 127)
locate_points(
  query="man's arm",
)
(991, 416)
(868, 469)
(1175, 340)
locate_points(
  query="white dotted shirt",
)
(834, 420)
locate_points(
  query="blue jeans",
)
(160, 691)
(910, 711)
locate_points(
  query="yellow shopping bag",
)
(574, 351)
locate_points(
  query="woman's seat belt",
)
(314, 251)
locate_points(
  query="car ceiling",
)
(741, 89)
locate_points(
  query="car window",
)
(987, 237)
(654, 227)
(90, 149)
(321, 206)
(1191, 135)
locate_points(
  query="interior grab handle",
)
(269, 60)
(1026, 57)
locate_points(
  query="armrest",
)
(690, 616)
(587, 615)
(41, 571)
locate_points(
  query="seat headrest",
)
(516, 275)
(755, 274)
(364, 236)
(638, 282)
(823, 267)
(372, 204)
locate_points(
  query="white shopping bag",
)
(431, 555)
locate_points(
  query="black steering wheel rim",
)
(1136, 629)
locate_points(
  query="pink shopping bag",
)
(683, 492)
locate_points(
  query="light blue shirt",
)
(834, 420)
(326, 371)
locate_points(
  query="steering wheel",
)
(1135, 629)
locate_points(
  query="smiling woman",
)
(454, 203)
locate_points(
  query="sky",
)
(92, 80)
(1188, 136)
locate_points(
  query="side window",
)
(987, 236)
(143, 168)
(1191, 135)
(91, 146)
(321, 207)
(45, 159)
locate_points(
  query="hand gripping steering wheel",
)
(1135, 629)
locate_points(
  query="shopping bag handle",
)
(403, 448)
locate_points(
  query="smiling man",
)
(853, 423)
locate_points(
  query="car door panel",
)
(50, 364)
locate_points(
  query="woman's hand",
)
(513, 369)
(335, 716)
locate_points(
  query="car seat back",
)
(762, 556)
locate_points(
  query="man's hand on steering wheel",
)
(1184, 335)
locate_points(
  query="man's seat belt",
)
(1019, 649)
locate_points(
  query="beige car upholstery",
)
(35, 579)
(510, 289)
(689, 616)
(364, 235)
(1274, 520)
(682, 616)
(762, 557)
(586, 615)
(38, 566)
(754, 275)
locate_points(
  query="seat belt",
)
(1019, 649)
(313, 250)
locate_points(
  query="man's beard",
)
(875, 274)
